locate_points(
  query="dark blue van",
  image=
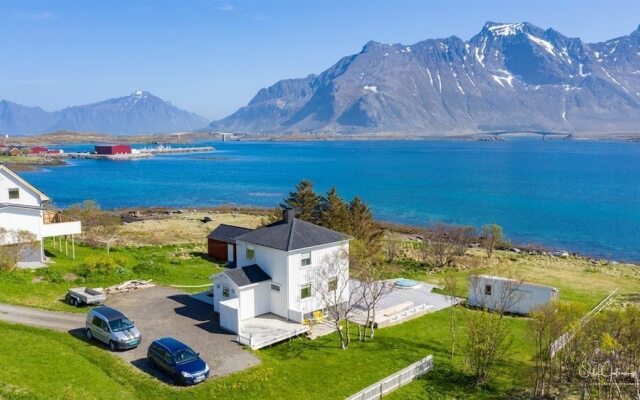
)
(178, 360)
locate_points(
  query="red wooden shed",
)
(113, 149)
(39, 150)
(222, 244)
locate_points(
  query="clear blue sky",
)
(211, 56)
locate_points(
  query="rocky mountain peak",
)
(508, 76)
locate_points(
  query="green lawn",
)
(57, 365)
(579, 280)
(166, 265)
(47, 364)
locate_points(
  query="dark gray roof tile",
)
(227, 233)
(292, 235)
(247, 275)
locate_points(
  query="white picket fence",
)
(393, 382)
(565, 338)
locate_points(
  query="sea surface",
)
(574, 195)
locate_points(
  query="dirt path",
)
(60, 321)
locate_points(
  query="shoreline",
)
(133, 214)
(69, 138)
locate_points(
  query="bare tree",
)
(392, 245)
(13, 244)
(492, 236)
(450, 287)
(372, 272)
(462, 237)
(98, 226)
(547, 324)
(337, 293)
(438, 249)
(488, 337)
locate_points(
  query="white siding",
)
(27, 196)
(17, 218)
(254, 300)
(274, 263)
(524, 299)
(219, 281)
(229, 315)
(299, 275)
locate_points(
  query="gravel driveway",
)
(162, 311)
(157, 312)
(59, 321)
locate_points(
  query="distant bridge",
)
(544, 134)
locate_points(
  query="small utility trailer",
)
(85, 296)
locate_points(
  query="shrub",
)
(149, 268)
(101, 265)
(52, 276)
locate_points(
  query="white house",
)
(509, 295)
(277, 272)
(22, 209)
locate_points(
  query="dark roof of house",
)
(292, 235)
(227, 233)
(247, 275)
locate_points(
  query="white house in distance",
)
(22, 209)
(513, 296)
(276, 275)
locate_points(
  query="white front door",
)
(230, 257)
(277, 300)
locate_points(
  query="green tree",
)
(492, 236)
(363, 227)
(334, 212)
(305, 201)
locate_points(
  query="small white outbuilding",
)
(509, 295)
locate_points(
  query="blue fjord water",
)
(579, 196)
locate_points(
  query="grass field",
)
(166, 265)
(44, 364)
(62, 366)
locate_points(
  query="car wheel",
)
(112, 345)
(152, 363)
(89, 334)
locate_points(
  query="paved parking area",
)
(163, 311)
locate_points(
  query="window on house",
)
(275, 287)
(250, 253)
(333, 284)
(14, 194)
(225, 292)
(487, 290)
(305, 291)
(305, 259)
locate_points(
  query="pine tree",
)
(363, 227)
(334, 212)
(305, 201)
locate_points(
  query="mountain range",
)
(510, 76)
(140, 112)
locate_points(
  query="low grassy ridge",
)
(57, 365)
(166, 265)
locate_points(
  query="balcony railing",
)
(51, 217)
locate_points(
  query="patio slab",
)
(267, 329)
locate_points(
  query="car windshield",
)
(182, 356)
(120, 324)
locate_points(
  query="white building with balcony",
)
(274, 287)
(22, 208)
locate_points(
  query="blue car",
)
(178, 360)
